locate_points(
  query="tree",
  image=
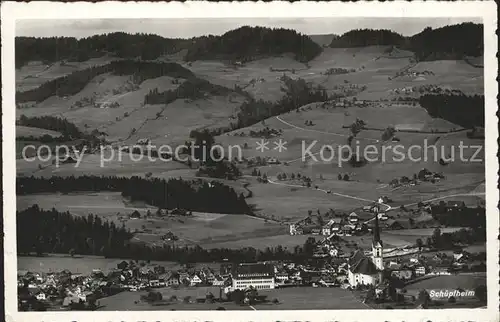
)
(309, 246)
(339, 176)
(346, 177)
(370, 295)
(420, 244)
(428, 242)
(452, 299)
(436, 237)
(122, 265)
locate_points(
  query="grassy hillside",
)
(76, 81)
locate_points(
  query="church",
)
(364, 270)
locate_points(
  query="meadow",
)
(293, 298)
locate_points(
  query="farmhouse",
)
(260, 276)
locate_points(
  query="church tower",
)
(377, 245)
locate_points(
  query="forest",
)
(245, 43)
(367, 37)
(49, 231)
(76, 81)
(297, 93)
(250, 43)
(466, 111)
(161, 193)
(66, 128)
(193, 88)
(118, 44)
(449, 42)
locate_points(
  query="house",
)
(382, 216)
(207, 275)
(173, 280)
(260, 276)
(281, 277)
(195, 280)
(414, 260)
(154, 283)
(316, 231)
(218, 281)
(460, 256)
(402, 274)
(40, 295)
(353, 217)
(272, 161)
(145, 141)
(295, 229)
(455, 205)
(184, 277)
(326, 230)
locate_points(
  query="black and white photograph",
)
(252, 164)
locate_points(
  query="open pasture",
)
(397, 238)
(291, 203)
(285, 240)
(76, 264)
(34, 131)
(465, 282)
(34, 74)
(199, 229)
(292, 298)
(179, 118)
(111, 162)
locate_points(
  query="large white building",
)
(364, 270)
(259, 276)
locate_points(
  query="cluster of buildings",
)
(344, 225)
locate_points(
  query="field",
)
(201, 229)
(34, 131)
(463, 282)
(77, 264)
(298, 298)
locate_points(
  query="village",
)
(384, 271)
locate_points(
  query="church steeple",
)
(377, 245)
(376, 229)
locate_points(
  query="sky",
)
(187, 28)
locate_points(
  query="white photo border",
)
(487, 10)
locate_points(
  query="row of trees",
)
(164, 194)
(449, 42)
(40, 231)
(464, 110)
(76, 81)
